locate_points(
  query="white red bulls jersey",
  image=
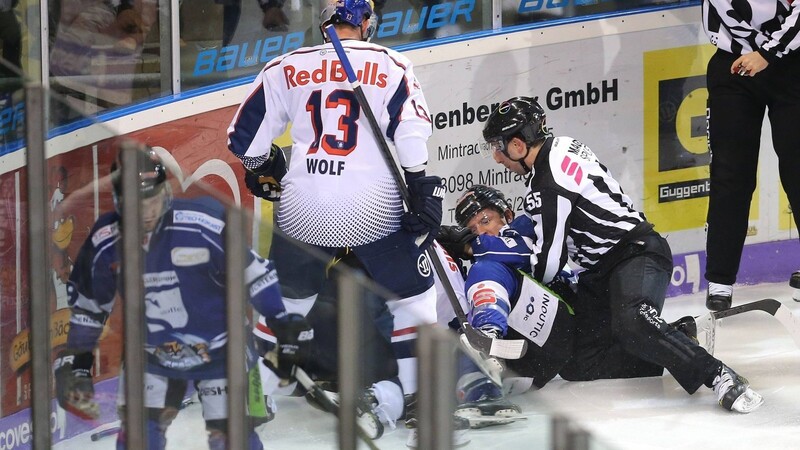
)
(338, 190)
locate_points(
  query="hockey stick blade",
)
(770, 306)
(498, 348)
(329, 405)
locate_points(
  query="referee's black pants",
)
(619, 329)
(736, 106)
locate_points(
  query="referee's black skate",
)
(794, 282)
(734, 393)
(719, 297)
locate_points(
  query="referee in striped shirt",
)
(579, 211)
(756, 68)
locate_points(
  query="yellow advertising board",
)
(676, 156)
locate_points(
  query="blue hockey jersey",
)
(184, 283)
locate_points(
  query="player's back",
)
(338, 190)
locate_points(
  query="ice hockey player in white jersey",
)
(337, 192)
(184, 289)
(579, 211)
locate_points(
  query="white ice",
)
(648, 413)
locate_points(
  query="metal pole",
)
(436, 397)
(349, 321)
(133, 297)
(39, 306)
(236, 295)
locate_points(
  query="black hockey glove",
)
(295, 336)
(265, 180)
(425, 215)
(74, 386)
(455, 240)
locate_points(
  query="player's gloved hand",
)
(425, 215)
(294, 335)
(265, 180)
(455, 240)
(74, 386)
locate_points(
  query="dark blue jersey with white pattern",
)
(184, 284)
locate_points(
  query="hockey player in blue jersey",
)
(501, 293)
(184, 283)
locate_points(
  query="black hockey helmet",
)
(519, 117)
(152, 174)
(351, 12)
(480, 197)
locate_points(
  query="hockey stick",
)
(500, 348)
(708, 322)
(326, 402)
(112, 430)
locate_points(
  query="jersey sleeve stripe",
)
(242, 132)
(395, 108)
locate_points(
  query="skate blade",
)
(748, 402)
(478, 420)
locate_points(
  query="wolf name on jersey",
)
(569, 189)
(184, 283)
(338, 190)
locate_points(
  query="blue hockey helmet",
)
(351, 12)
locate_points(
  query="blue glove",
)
(265, 180)
(425, 215)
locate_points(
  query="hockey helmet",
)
(351, 12)
(478, 198)
(517, 117)
(152, 175)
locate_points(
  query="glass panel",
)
(102, 56)
(228, 39)
(516, 12)
(403, 22)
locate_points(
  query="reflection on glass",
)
(103, 56)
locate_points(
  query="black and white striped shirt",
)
(577, 208)
(770, 27)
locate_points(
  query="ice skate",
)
(366, 415)
(484, 405)
(460, 425)
(719, 296)
(794, 282)
(734, 393)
